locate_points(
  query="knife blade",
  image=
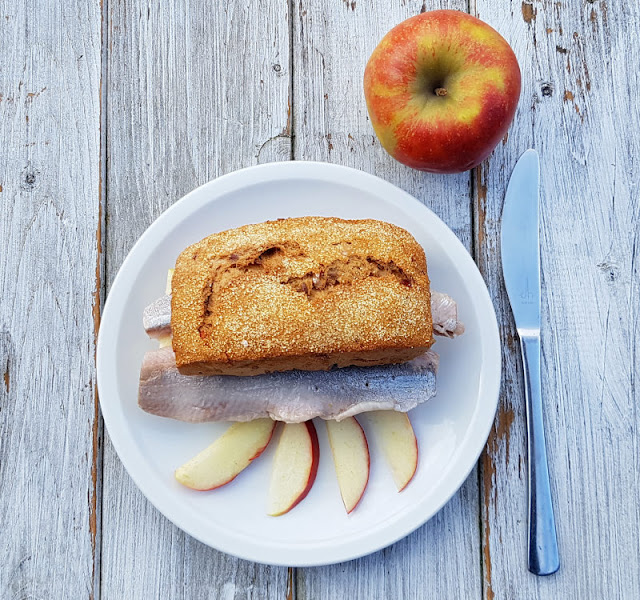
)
(520, 242)
(520, 252)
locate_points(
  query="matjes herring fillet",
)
(291, 396)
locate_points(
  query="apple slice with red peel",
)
(294, 467)
(230, 454)
(351, 459)
(394, 431)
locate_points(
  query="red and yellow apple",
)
(295, 466)
(351, 459)
(228, 456)
(441, 90)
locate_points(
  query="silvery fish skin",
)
(156, 317)
(444, 314)
(292, 396)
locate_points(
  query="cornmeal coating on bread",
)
(305, 293)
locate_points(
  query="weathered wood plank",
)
(49, 216)
(195, 89)
(332, 42)
(579, 109)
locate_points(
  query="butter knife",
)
(520, 249)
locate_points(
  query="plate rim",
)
(404, 523)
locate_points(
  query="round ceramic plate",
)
(451, 428)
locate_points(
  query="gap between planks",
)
(98, 303)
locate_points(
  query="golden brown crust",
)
(306, 293)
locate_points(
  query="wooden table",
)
(110, 111)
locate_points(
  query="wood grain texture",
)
(579, 109)
(49, 216)
(195, 89)
(332, 42)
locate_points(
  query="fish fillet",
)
(292, 396)
(444, 314)
(156, 317)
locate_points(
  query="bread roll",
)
(308, 293)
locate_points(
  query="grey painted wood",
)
(195, 89)
(439, 560)
(332, 42)
(49, 217)
(579, 109)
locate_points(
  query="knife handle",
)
(543, 543)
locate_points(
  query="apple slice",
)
(169, 280)
(294, 467)
(227, 456)
(351, 459)
(165, 341)
(394, 431)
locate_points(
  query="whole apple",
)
(441, 88)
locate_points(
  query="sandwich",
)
(295, 319)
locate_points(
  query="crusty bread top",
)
(297, 287)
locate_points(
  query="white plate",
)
(452, 428)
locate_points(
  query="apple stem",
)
(441, 91)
